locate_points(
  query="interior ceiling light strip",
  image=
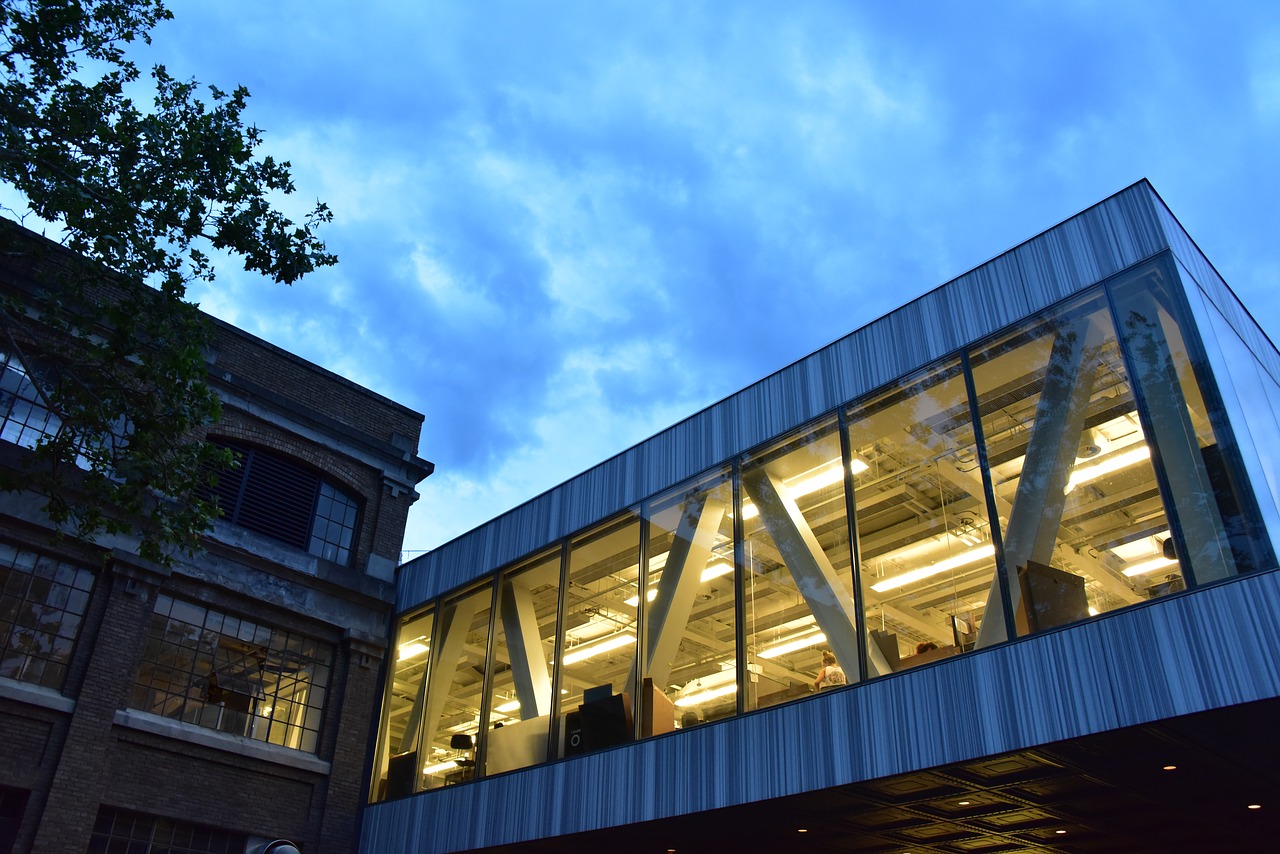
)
(709, 694)
(923, 572)
(1149, 566)
(584, 652)
(793, 645)
(1093, 471)
(811, 481)
(713, 570)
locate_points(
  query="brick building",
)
(226, 701)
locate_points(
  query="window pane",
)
(690, 673)
(397, 768)
(600, 637)
(245, 679)
(1208, 488)
(798, 594)
(39, 619)
(1084, 526)
(334, 524)
(924, 540)
(451, 718)
(24, 419)
(523, 671)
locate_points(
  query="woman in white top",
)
(831, 675)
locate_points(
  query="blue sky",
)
(564, 226)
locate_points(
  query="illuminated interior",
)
(1060, 470)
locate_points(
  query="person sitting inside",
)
(831, 675)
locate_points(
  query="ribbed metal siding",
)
(1080, 252)
(1211, 648)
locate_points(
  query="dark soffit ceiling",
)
(1100, 793)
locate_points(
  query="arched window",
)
(274, 496)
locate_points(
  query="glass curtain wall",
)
(455, 686)
(602, 609)
(690, 670)
(1110, 479)
(524, 638)
(1081, 512)
(798, 584)
(1219, 531)
(924, 537)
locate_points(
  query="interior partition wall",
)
(1076, 462)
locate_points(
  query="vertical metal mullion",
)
(553, 733)
(486, 686)
(642, 632)
(739, 594)
(851, 527)
(989, 493)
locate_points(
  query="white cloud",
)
(1264, 79)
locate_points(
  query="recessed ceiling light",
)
(1059, 831)
(802, 830)
(1171, 768)
(1255, 806)
(964, 803)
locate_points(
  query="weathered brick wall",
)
(74, 762)
(361, 481)
(311, 386)
(82, 774)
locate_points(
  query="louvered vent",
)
(274, 496)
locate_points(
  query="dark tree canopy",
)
(147, 194)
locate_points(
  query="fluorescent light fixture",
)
(582, 653)
(649, 597)
(793, 645)
(707, 695)
(1093, 471)
(411, 649)
(923, 572)
(713, 570)
(440, 767)
(507, 708)
(1148, 566)
(811, 481)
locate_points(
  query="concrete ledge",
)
(36, 695)
(169, 728)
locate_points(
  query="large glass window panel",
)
(396, 768)
(229, 673)
(1082, 518)
(924, 539)
(42, 604)
(601, 609)
(798, 587)
(455, 687)
(520, 704)
(1218, 533)
(690, 672)
(1251, 394)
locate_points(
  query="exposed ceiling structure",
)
(1112, 792)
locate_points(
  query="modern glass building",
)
(1036, 506)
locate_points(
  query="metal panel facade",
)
(1135, 666)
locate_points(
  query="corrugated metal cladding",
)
(1122, 230)
(1132, 667)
